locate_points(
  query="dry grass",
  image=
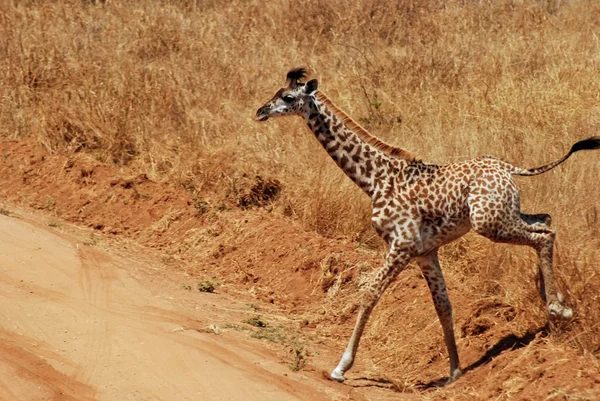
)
(170, 89)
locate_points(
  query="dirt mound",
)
(314, 281)
(238, 241)
(261, 193)
(486, 315)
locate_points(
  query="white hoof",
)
(567, 314)
(557, 310)
(455, 374)
(338, 377)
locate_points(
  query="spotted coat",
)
(418, 206)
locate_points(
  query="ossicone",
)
(293, 76)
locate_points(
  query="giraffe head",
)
(291, 99)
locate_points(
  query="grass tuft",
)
(206, 286)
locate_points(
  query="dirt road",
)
(77, 324)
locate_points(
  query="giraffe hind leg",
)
(540, 221)
(545, 268)
(539, 236)
(553, 298)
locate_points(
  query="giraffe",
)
(418, 207)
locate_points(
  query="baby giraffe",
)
(418, 206)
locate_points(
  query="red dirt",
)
(145, 239)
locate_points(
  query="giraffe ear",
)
(312, 86)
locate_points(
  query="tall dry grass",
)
(169, 88)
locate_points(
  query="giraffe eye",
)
(288, 98)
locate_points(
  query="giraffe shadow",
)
(380, 382)
(509, 342)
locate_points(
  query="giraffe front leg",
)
(430, 266)
(350, 353)
(396, 262)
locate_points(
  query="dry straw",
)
(170, 88)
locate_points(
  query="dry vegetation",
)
(170, 88)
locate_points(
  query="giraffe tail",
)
(586, 144)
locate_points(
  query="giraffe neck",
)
(363, 157)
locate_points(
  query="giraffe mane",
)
(363, 133)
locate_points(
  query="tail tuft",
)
(592, 142)
(587, 144)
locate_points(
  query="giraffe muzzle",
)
(262, 114)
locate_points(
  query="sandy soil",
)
(79, 324)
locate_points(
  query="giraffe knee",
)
(369, 298)
(546, 241)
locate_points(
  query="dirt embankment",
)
(112, 310)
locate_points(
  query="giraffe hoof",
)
(558, 311)
(454, 375)
(337, 377)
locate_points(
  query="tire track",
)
(73, 326)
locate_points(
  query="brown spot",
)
(349, 148)
(379, 204)
(334, 147)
